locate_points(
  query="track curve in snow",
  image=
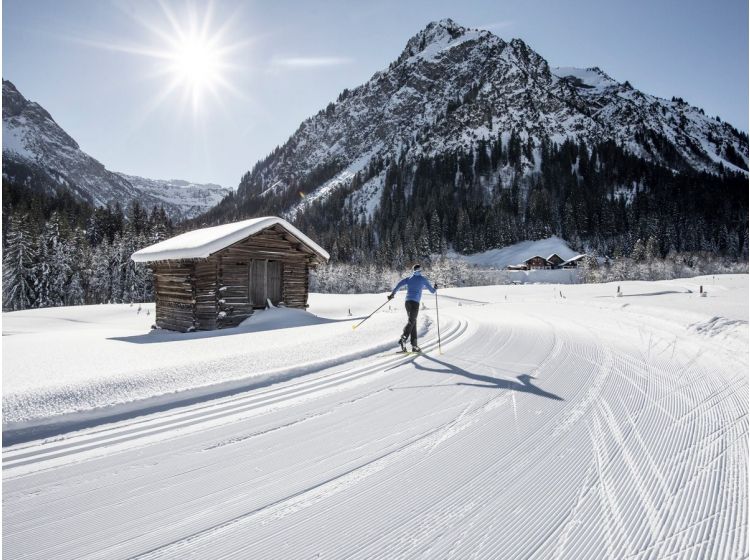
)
(540, 432)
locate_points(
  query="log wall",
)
(206, 294)
(173, 286)
(295, 283)
(234, 305)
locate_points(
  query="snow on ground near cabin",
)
(558, 422)
(105, 360)
(519, 252)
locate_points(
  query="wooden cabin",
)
(555, 260)
(574, 262)
(216, 277)
(536, 262)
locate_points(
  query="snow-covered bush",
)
(674, 265)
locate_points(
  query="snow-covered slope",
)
(577, 427)
(39, 153)
(181, 199)
(643, 122)
(452, 88)
(31, 138)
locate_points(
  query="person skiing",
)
(414, 285)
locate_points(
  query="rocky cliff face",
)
(453, 88)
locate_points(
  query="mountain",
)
(38, 153)
(453, 88)
(181, 199)
(37, 150)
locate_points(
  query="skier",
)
(414, 285)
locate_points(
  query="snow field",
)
(105, 361)
(582, 426)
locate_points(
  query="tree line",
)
(57, 251)
(600, 198)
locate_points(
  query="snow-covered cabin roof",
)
(555, 255)
(535, 257)
(576, 258)
(202, 243)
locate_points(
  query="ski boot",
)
(402, 343)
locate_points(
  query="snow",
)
(144, 365)
(443, 42)
(519, 252)
(14, 141)
(341, 179)
(591, 77)
(557, 422)
(367, 198)
(201, 243)
(180, 199)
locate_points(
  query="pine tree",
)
(638, 253)
(80, 273)
(652, 249)
(18, 266)
(100, 286)
(50, 265)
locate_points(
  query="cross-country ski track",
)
(546, 430)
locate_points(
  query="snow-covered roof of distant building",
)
(576, 258)
(202, 243)
(535, 257)
(519, 252)
(555, 255)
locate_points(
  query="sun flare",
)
(196, 64)
(193, 55)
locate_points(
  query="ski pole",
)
(437, 313)
(370, 315)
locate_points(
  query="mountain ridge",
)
(453, 87)
(39, 153)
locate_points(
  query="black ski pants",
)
(410, 330)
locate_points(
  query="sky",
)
(202, 90)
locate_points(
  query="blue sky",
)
(95, 65)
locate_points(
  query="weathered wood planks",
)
(225, 288)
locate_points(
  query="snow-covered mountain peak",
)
(585, 78)
(437, 37)
(18, 115)
(455, 90)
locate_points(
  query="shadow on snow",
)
(523, 385)
(162, 335)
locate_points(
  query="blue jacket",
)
(414, 285)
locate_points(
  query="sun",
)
(193, 55)
(196, 63)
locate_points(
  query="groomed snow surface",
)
(558, 422)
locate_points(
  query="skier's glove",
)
(436, 286)
(390, 297)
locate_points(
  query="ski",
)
(400, 353)
(397, 353)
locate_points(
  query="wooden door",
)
(257, 288)
(273, 281)
(264, 278)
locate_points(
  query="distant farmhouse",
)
(216, 277)
(554, 261)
